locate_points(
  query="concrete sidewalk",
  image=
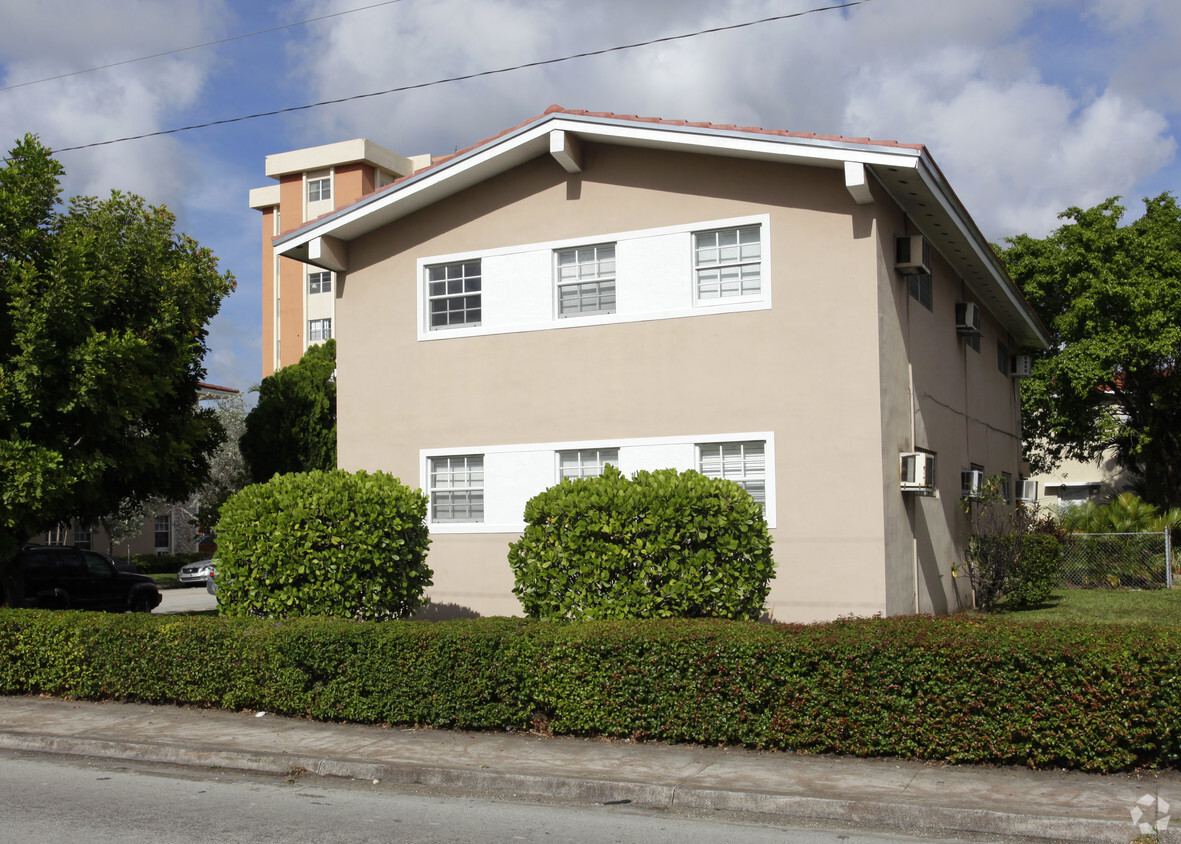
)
(876, 793)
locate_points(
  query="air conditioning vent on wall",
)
(967, 318)
(916, 470)
(1022, 366)
(912, 255)
(1027, 492)
(972, 482)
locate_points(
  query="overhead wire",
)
(420, 85)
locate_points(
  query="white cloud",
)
(41, 40)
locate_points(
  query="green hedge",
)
(166, 563)
(1095, 698)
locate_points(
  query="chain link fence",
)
(1118, 561)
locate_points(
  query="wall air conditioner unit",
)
(1022, 366)
(1027, 492)
(972, 482)
(912, 255)
(916, 469)
(967, 318)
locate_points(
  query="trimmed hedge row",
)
(166, 563)
(1095, 698)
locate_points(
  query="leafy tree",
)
(1111, 298)
(103, 311)
(227, 467)
(293, 426)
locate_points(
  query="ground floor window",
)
(744, 463)
(457, 488)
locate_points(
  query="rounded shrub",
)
(660, 545)
(336, 543)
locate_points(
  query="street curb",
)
(857, 812)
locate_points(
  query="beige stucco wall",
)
(826, 369)
(806, 369)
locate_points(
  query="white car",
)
(196, 574)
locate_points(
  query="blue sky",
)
(1029, 106)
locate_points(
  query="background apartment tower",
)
(299, 300)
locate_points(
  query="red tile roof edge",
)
(207, 386)
(608, 115)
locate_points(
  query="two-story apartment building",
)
(795, 312)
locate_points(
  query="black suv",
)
(60, 577)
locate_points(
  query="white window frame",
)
(162, 527)
(322, 186)
(319, 281)
(448, 295)
(654, 280)
(464, 482)
(592, 268)
(319, 330)
(515, 472)
(699, 241)
(741, 465)
(584, 462)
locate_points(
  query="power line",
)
(466, 76)
(196, 46)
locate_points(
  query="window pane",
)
(728, 262)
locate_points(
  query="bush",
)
(166, 563)
(323, 543)
(1014, 554)
(963, 689)
(661, 545)
(1035, 570)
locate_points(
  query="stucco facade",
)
(823, 369)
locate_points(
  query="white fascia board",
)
(715, 141)
(981, 250)
(532, 140)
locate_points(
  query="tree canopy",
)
(1110, 295)
(293, 426)
(103, 314)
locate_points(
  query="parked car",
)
(211, 583)
(60, 577)
(195, 574)
(120, 565)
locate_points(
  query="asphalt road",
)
(185, 599)
(70, 800)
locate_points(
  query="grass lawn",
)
(1111, 606)
(165, 580)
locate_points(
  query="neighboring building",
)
(1076, 482)
(167, 530)
(299, 300)
(792, 311)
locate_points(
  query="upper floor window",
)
(727, 262)
(585, 462)
(457, 488)
(586, 280)
(163, 532)
(320, 282)
(319, 189)
(920, 289)
(744, 463)
(453, 294)
(972, 341)
(319, 330)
